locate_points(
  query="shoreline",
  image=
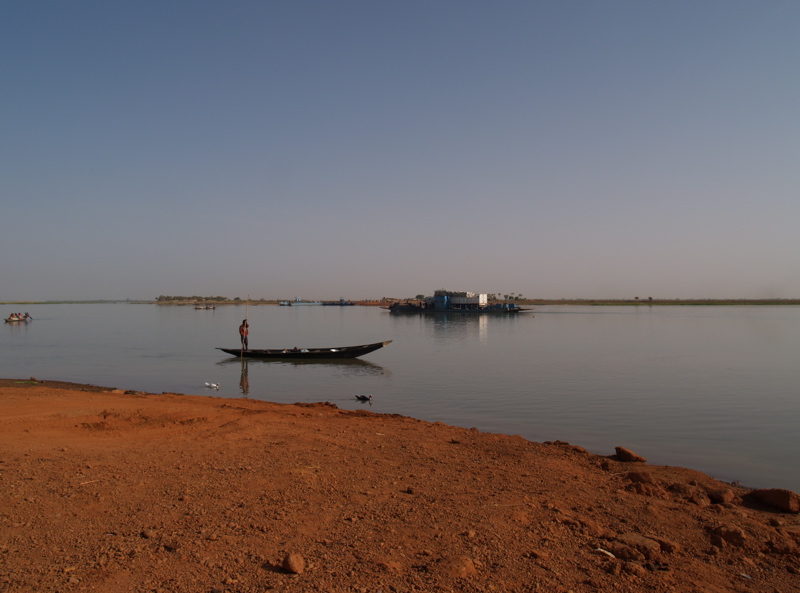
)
(384, 303)
(127, 491)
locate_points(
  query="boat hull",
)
(307, 353)
(299, 303)
(489, 310)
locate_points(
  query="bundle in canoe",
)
(308, 353)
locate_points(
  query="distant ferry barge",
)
(445, 301)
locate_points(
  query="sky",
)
(369, 149)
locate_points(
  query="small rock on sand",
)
(294, 563)
(783, 500)
(458, 566)
(624, 454)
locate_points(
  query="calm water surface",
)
(712, 388)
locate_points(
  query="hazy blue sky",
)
(598, 149)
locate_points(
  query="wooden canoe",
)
(308, 353)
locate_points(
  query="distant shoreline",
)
(371, 303)
(660, 302)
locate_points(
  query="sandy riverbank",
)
(112, 491)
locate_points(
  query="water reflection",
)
(348, 367)
(17, 327)
(465, 325)
(475, 325)
(356, 365)
(244, 381)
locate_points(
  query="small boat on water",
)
(308, 353)
(15, 318)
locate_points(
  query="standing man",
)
(244, 332)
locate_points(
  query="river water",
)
(711, 388)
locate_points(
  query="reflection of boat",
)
(308, 353)
(251, 368)
(204, 307)
(445, 301)
(339, 303)
(256, 370)
(356, 366)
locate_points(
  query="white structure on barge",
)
(448, 300)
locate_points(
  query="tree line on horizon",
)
(170, 299)
(200, 299)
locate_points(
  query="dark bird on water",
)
(364, 398)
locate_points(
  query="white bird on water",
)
(213, 386)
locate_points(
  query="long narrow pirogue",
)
(308, 353)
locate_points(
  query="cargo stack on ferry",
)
(447, 301)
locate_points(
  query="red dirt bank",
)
(108, 491)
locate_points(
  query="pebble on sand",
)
(624, 454)
(294, 563)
